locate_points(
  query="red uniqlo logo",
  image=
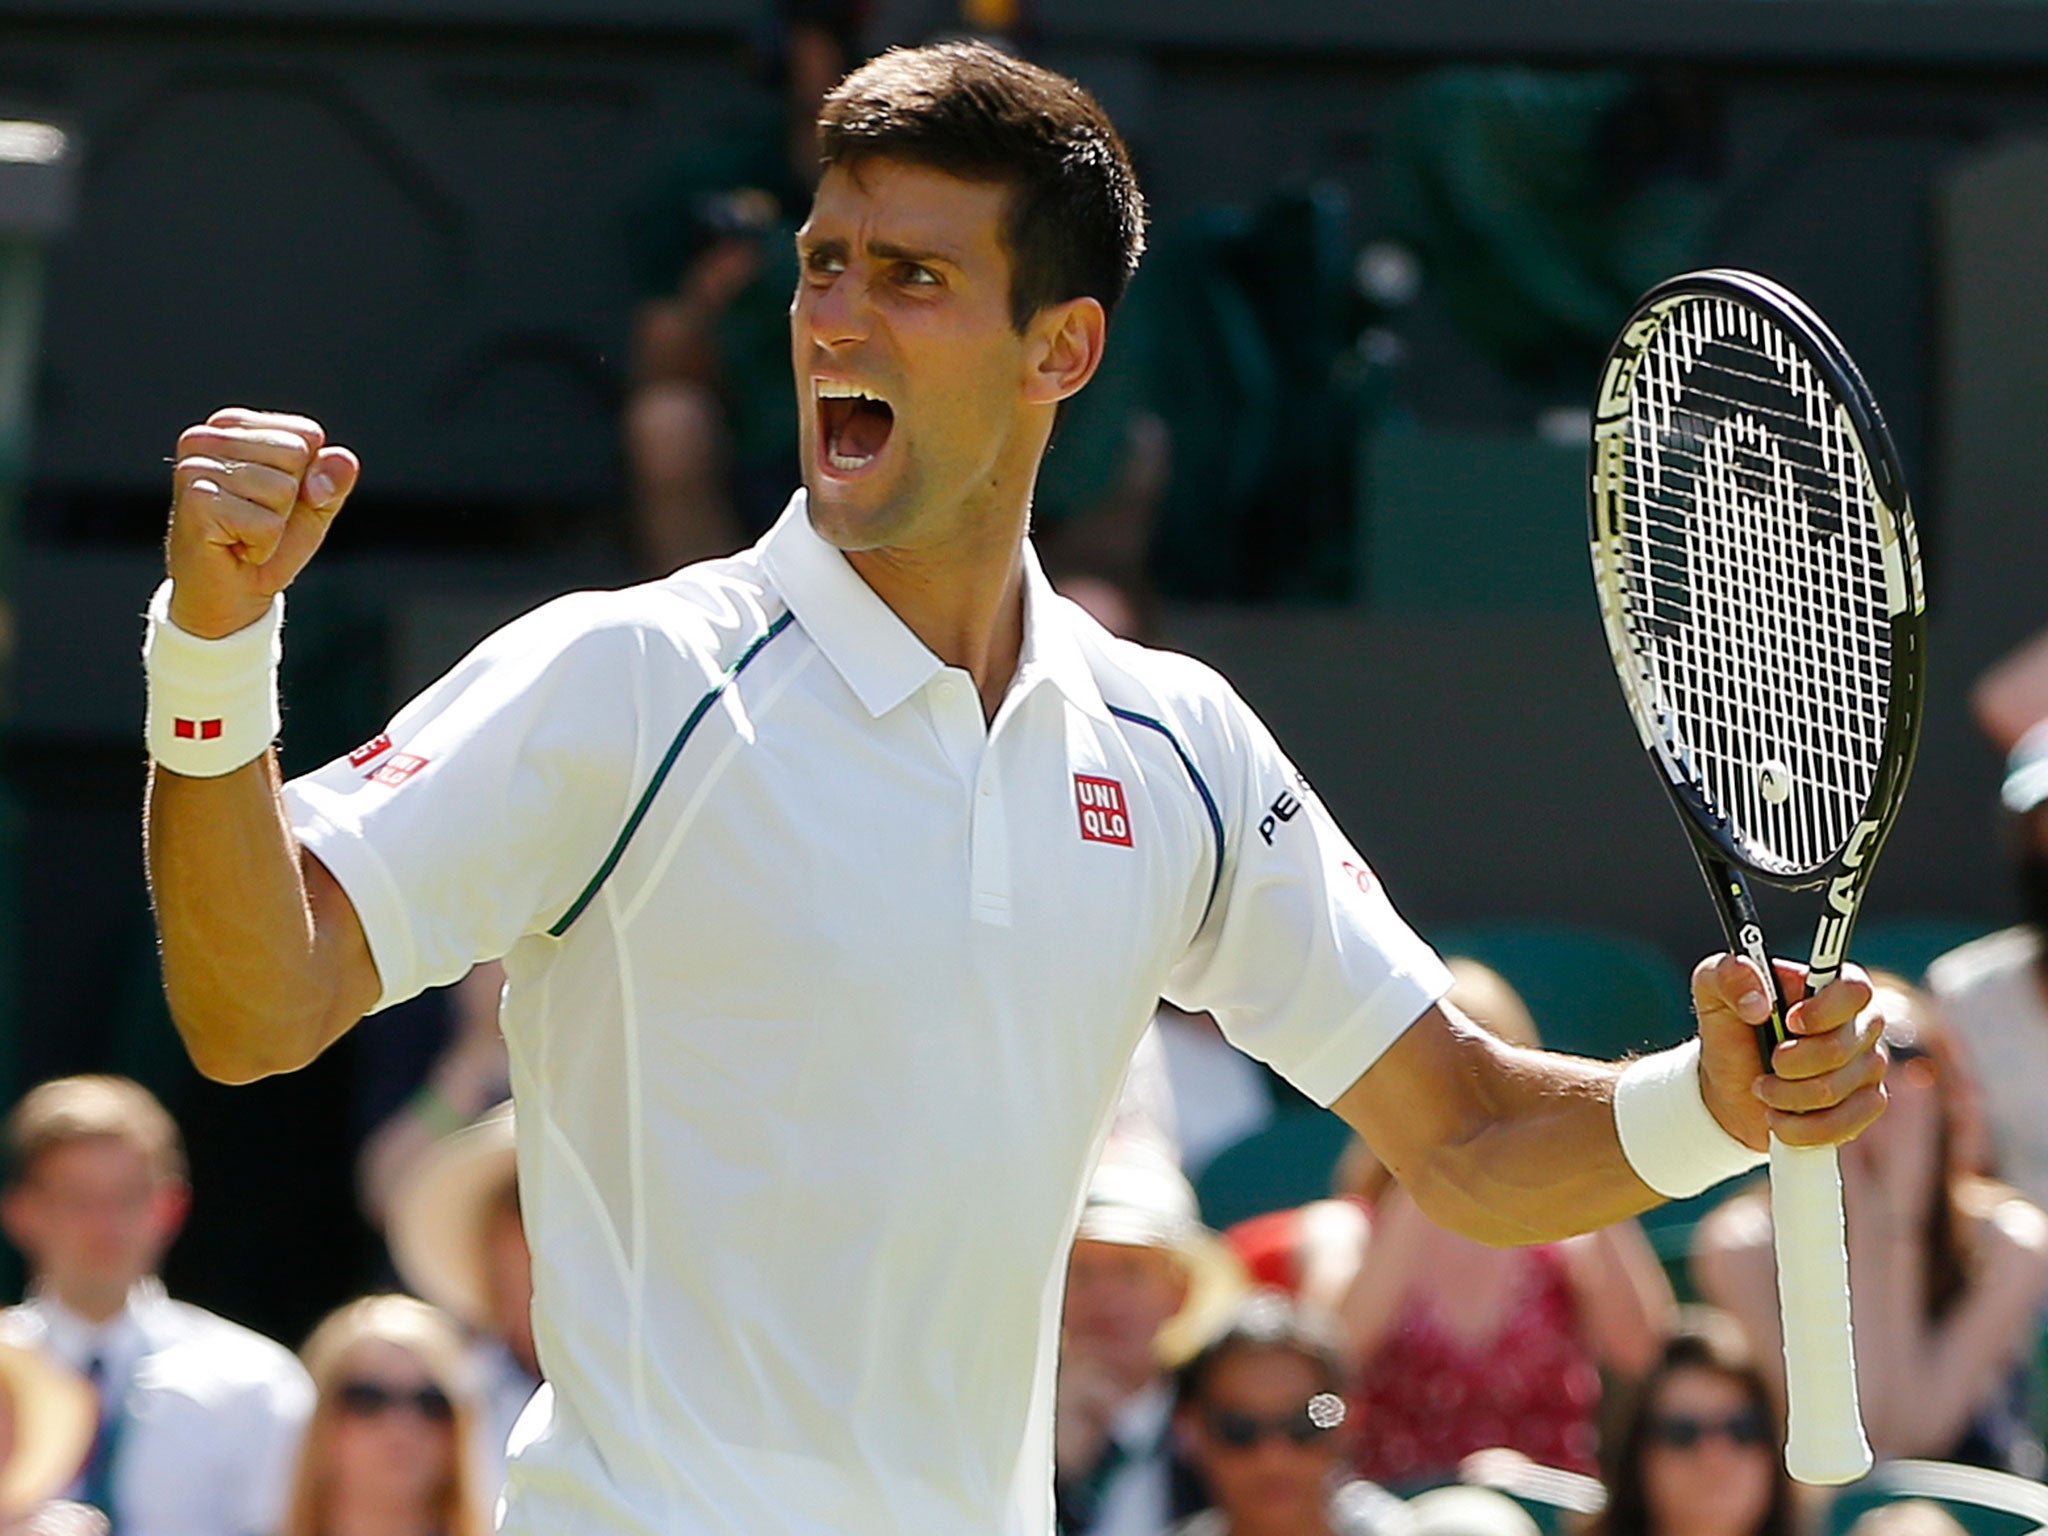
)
(399, 769)
(1103, 817)
(376, 746)
(195, 730)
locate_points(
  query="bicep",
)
(1425, 1093)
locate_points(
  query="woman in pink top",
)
(1461, 1347)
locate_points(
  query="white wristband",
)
(1668, 1134)
(212, 704)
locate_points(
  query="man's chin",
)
(850, 516)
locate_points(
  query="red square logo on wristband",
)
(196, 730)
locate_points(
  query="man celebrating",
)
(835, 882)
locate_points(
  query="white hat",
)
(55, 1415)
(436, 1230)
(1458, 1510)
(1138, 1198)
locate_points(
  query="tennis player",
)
(836, 881)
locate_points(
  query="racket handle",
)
(1824, 1441)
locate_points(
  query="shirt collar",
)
(1052, 643)
(875, 651)
(881, 660)
(121, 1339)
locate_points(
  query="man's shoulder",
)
(1160, 686)
(708, 613)
(191, 1346)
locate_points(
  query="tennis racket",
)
(1760, 584)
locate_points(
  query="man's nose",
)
(838, 312)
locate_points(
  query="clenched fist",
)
(253, 494)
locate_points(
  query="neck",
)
(965, 601)
(92, 1303)
(353, 1510)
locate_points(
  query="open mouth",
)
(854, 424)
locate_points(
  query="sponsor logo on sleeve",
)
(1286, 806)
(375, 747)
(397, 769)
(1104, 816)
(1361, 877)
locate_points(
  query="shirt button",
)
(985, 791)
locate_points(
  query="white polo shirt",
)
(820, 989)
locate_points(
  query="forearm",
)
(254, 984)
(1525, 1151)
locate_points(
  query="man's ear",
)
(1065, 349)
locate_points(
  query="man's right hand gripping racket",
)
(1760, 583)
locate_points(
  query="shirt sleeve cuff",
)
(370, 886)
(1353, 1046)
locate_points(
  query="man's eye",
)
(824, 263)
(918, 276)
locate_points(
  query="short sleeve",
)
(1301, 957)
(487, 804)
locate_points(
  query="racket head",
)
(1759, 578)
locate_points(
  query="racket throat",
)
(1743, 927)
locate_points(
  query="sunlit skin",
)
(508, 1267)
(384, 1474)
(1118, 1296)
(1714, 1487)
(1273, 1488)
(93, 1216)
(905, 292)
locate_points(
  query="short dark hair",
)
(1075, 224)
(1270, 1319)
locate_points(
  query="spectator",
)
(1948, 1270)
(1261, 1413)
(711, 422)
(1993, 992)
(1699, 1451)
(199, 1416)
(384, 1454)
(1146, 1284)
(1462, 1347)
(459, 1240)
(47, 1419)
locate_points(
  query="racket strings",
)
(1754, 583)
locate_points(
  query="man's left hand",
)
(1826, 1082)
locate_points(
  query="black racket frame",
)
(1726, 870)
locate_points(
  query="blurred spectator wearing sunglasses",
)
(1699, 1452)
(1261, 1416)
(197, 1416)
(385, 1453)
(1947, 1267)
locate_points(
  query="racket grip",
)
(1824, 1441)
